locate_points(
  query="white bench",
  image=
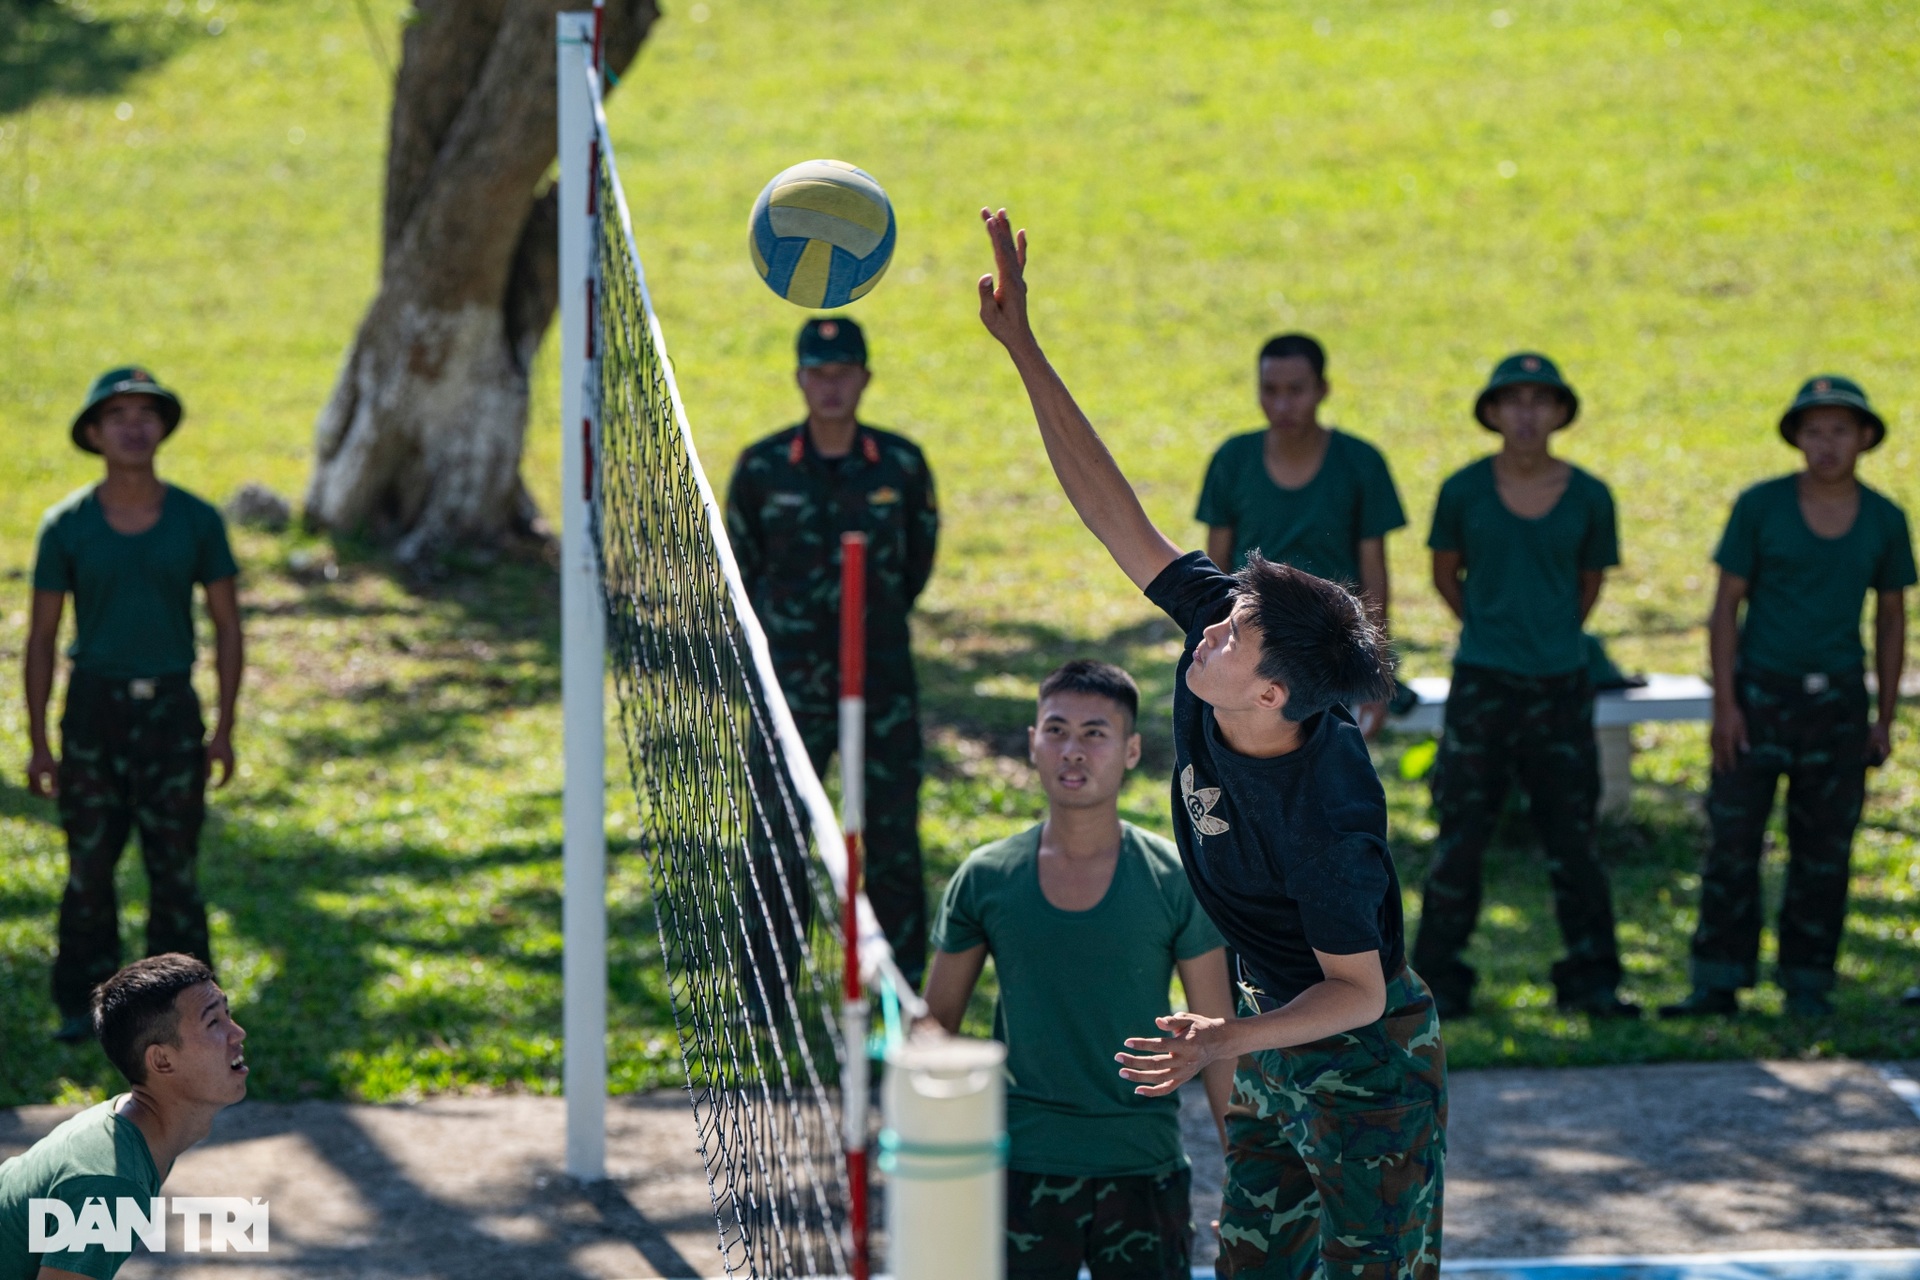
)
(1615, 711)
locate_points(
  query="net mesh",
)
(746, 915)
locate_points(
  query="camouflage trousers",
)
(1127, 1228)
(1818, 741)
(128, 762)
(1336, 1152)
(892, 872)
(1539, 729)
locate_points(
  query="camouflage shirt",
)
(786, 509)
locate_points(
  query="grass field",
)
(1692, 207)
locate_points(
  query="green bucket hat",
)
(1526, 367)
(1831, 389)
(127, 380)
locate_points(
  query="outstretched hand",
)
(1003, 304)
(1193, 1041)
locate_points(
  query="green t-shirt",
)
(97, 1153)
(1073, 986)
(1523, 576)
(132, 593)
(1804, 592)
(1317, 527)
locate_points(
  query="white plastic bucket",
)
(944, 1151)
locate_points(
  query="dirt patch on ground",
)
(1620, 1160)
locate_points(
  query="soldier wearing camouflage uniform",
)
(134, 750)
(1521, 543)
(791, 497)
(1790, 698)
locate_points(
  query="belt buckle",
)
(1814, 682)
(141, 690)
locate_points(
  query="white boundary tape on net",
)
(876, 956)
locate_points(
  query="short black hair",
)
(135, 1008)
(1295, 344)
(1103, 679)
(1316, 639)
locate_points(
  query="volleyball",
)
(822, 233)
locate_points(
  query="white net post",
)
(582, 622)
(944, 1151)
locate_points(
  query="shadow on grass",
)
(50, 47)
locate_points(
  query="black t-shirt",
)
(1288, 855)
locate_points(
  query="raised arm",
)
(1091, 479)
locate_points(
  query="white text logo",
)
(230, 1223)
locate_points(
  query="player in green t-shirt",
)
(1301, 493)
(133, 747)
(1521, 543)
(1802, 552)
(165, 1026)
(1086, 918)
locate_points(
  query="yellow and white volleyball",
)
(822, 233)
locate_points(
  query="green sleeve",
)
(215, 561)
(1600, 548)
(1195, 935)
(1895, 572)
(1216, 494)
(743, 528)
(52, 562)
(1449, 533)
(923, 532)
(958, 926)
(1735, 554)
(1380, 511)
(94, 1260)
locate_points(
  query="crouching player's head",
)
(164, 1024)
(1082, 739)
(1294, 644)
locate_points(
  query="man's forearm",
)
(1890, 654)
(39, 689)
(1722, 644)
(229, 662)
(1324, 1009)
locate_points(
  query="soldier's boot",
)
(1808, 990)
(1704, 1002)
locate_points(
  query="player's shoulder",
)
(1356, 451)
(1771, 492)
(195, 507)
(1345, 781)
(993, 864)
(1158, 856)
(1236, 450)
(63, 513)
(1585, 482)
(1473, 480)
(771, 449)
(897, 447)
(1880, 505)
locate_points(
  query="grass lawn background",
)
(1691, 207)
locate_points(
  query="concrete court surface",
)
(1690, 1158)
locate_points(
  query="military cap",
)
(831, 340)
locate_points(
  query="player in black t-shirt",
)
(1336, 1137)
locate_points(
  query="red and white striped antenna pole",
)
(599, 37)
(853, 771)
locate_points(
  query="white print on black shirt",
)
(1198, 803)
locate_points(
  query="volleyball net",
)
(748, 868)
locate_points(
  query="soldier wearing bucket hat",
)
(133, 747)
(1521, 544)
(791, 497)
(1801, 552)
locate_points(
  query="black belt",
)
(140, 689)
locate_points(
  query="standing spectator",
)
(133, 747)
(1521, 543)
(792, 495)
(1301, 493)
(1790, 697)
